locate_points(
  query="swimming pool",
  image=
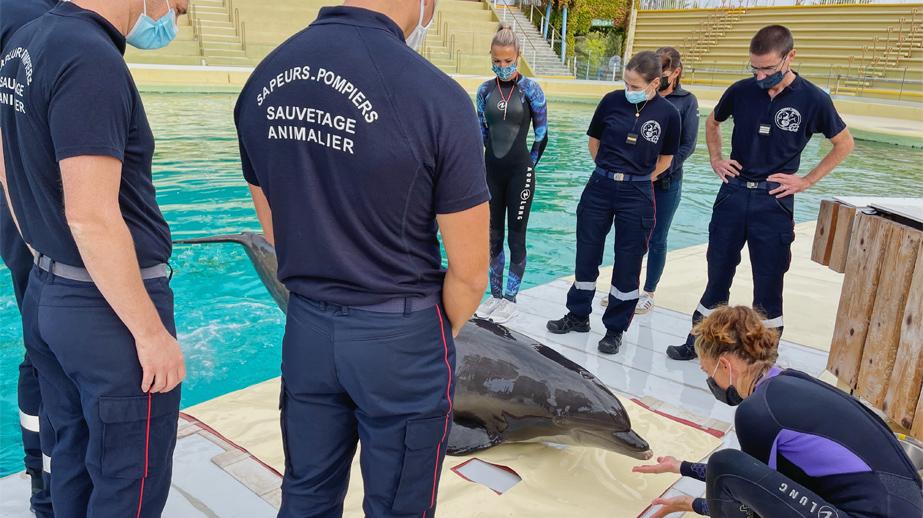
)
(230, 328)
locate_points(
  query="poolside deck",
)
(220, 476)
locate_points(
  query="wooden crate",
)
(823, 234)
(877, 347)
(842, 237)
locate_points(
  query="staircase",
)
(538, 53)
(900, 44)
(710, 34)
(219, 33)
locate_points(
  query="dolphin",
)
(509, 387)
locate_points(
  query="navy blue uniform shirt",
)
(16, 13)
(65, 91)
(688, 107)
(358, 142)
(770, 134)
(656, 131)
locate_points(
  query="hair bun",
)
(504, 26)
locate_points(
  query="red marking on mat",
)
(508, 469)
(710, 431)
(147, 453)
(448, 395)
(233, 444)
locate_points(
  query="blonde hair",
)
(505, 37)
(738, 330)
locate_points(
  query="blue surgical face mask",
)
(504, 73)
(635, 97)
(150, 34)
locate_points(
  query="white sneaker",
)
(645, 304)
(505, 311)
(488, 307)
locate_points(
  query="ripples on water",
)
(230, 328)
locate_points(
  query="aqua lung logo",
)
(525, 195)
(807, 503)
(651, 131)
(788, 119)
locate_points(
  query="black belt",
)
(404, 305)
(621, 177)
(764, 185)
(76, 273)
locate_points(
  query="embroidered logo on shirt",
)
(651, 131)
(788, 119)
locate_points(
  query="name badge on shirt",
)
(631, 139)
(764, 129)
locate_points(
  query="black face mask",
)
(664, 83)
(728, 396)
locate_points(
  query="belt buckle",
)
(752, 185)
(618, 177)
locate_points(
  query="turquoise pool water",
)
(228, 325)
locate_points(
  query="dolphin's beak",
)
(633, 445)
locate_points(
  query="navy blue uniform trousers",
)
(631, 207)
(18, 259)
(385, 380)
(113, 444)
(748, 214)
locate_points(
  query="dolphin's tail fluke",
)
(633, 445)
(227, 238)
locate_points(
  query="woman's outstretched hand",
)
(664, 465)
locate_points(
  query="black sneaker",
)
(570, 322)
(682, 352)
(611, 343)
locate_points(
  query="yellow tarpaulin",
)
(578, 482)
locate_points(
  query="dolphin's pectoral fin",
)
(468, 438)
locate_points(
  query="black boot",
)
(38, 485)
(683, 352)
(570, 322)
(611, 343)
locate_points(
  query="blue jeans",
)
(667, 193)
(630, 207)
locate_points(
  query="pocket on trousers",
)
(127, 449)
(422, 451)
(723, 194)
(787, 204)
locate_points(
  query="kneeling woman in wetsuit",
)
(633, 137)
(808, 449)
(507, 105)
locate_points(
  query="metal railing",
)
(836, 80)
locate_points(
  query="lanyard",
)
(504, 101)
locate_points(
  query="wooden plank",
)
(823, 234)
(902, 402)
(884, 334)
(839, 250)
(857, 297)
(917, 430)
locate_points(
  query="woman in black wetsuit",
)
(808, 449)
(507, 106)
